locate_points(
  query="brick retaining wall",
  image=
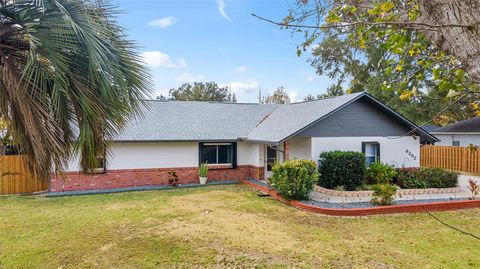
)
(123, 178)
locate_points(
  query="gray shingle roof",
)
(429, 127)
(192, 121)
(467, 126)
(288, 119)
(210, 121)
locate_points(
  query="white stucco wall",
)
(300, 148)
(399, 152)
(149, 155)
(249, 154)
(135, 155)
(465, 140)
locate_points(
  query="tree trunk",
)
(463, 43)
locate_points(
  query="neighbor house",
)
(242, 140)
(462, 133)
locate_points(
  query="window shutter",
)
(234, 153)
(200, 148)
(378, 152)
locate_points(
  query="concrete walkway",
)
(462, 182)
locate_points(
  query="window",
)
(101, 166)
(218, 153)
(456, 143)
(271, 158)
(371, 151)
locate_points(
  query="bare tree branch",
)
(404, 24)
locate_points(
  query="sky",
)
(220, 41)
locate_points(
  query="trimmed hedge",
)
(422, 178)
(294, 179)
(341, 168)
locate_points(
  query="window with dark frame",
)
(456, 143)
(218, 153)
(271, 158)
(101, 166)
(371, 151)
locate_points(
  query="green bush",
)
(380, 173)
(439, 178)
(421, 178)
(383, 194)
(408, 178)
(341, 168)
(294, 179)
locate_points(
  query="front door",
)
(269, 161)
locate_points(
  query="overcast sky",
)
(215, 40)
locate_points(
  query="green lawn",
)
(222, 226)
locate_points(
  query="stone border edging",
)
(400, 192)
(410, 208)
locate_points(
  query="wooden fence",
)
(16, 178)
(460, 159)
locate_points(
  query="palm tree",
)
(69, 79)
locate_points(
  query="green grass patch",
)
(221, 226)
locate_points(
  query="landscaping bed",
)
(368, 208)
(370, 204)
(140, 188)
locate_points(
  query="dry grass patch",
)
(221, 226)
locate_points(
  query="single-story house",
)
(462, 133)
(242, 140)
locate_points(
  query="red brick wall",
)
(76, 181)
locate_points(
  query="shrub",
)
(173, 178)
(421, 178)
(380, 173)
(473, 187)
(294, 179)
(439, 178)
(341, 168)
(408, 178)
(383, 194)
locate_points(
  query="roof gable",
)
(359, 118)
(287, 120)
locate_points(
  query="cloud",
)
(157, 58)
(243, 87)
(221, 9)
(187, 77)
(163, 22)
(240, 69)
(313, 47)
(293, 95)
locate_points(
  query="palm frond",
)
(70, 79)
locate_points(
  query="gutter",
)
(455, 133)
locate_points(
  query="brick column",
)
(286, 154)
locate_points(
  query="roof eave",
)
(455, 133)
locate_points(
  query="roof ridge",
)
(207, 102)
(328, 97)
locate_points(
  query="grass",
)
(221, 226)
